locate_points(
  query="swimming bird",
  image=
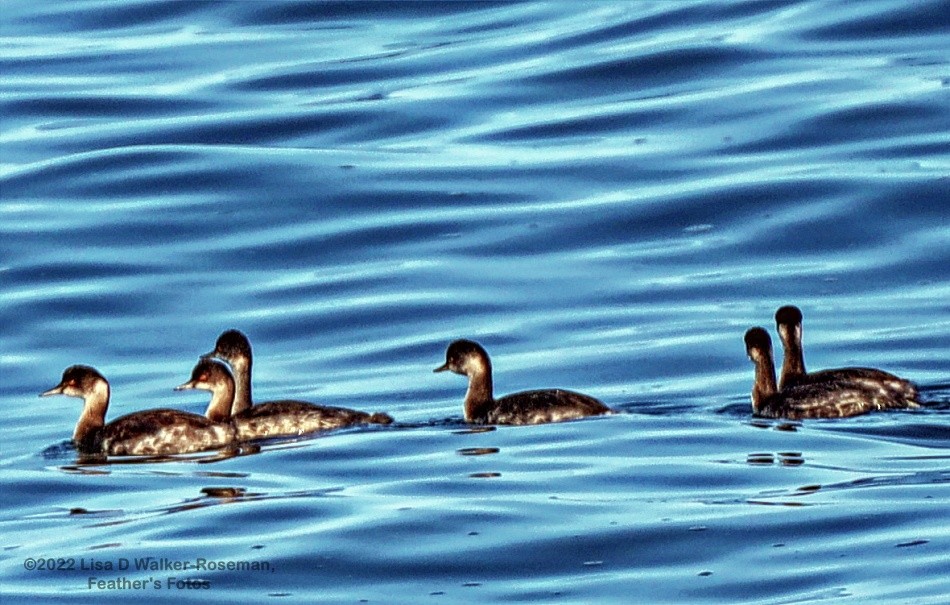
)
(788, 322)
(831, 398)
(277, 418)
(149, 432)
(468, 358)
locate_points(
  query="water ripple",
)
(605, 195)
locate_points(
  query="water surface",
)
(605, 195)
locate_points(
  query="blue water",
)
(606, 195)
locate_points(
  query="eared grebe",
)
(468, 358)
(277, 418)
(788, 322)
(823, 399)
(211, 375)
(150, 432)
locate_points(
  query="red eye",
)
(203, 377)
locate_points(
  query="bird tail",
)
(380, 418)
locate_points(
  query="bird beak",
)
(210, 355)
(187, 386)
(442, 368)
(57, 390)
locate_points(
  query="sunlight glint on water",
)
(606, 196)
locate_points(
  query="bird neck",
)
(222, 401)
(242, 386)
(793, 362)
(479, 397)
(764, 386)
(93, 416)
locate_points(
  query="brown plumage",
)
(822, 399)
(897, 392)
(277, 418)
(468, 358)
(150, 432)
